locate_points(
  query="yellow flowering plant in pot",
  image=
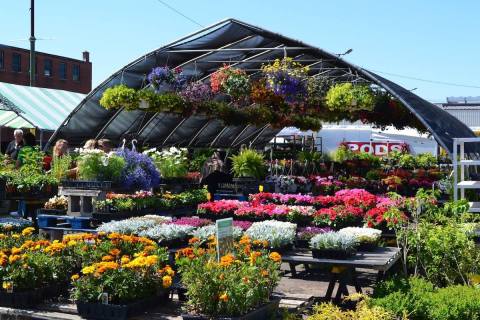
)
(122, 283)
(239, 283)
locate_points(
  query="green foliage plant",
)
(248, 163)
(120, 96)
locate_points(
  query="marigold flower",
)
(264, 273)
(75, 277)
(223, 297)
(253, 256)
(166, 281)
(227, 260)
(114, 252)
(275, 256)
(193, 240)
(14, 258)
(88, 270)
(16, 250)
(125, 259)
(245, 280)
(107, 258)
(7, 285)
(28, 231)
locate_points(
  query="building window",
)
(62, 71)
(47, 68)
(2, 59)
(16, 62)
(76, 72)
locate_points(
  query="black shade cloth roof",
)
(202, 53)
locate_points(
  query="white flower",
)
(205, 232)
(362, 234)
(334, 240)
(167, 232)
(132, 225)
(278, 234)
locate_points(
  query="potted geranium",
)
(367, 238)
(333, 245)
(237, 286)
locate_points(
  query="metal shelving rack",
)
(459, 161)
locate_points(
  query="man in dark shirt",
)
(14, 147)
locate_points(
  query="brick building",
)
(52, 71)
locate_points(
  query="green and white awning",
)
(33, 107)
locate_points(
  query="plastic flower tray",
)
(89, 310)
(267, 311)
(331, 254)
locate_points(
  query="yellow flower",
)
(166, 281)
(253, 256)
(168, 270)
(7, 285)
(16, 250)
(71, 243)
(14, 258)
(75, 277)
(88, 270)
(223, 297)
(275, 256)
(107, 258)
(125, 260)
(27, 231)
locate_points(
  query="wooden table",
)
(344, 270)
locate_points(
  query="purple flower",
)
(244, 225)
(140, 172)
(194, 222)
(197, 92)
(173, 77)
(309, 232)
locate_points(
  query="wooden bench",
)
(344, 270)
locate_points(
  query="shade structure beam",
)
(195, 136)
(173, 131)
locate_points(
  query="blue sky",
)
(429, 39)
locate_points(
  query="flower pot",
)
(367, 246)
(302, 243)
(90, 310)
(174, 243)
(331, 254)
(267, 311)
(57, 212)
(22, 299)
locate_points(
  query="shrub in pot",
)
(333, 245)
(248, 163)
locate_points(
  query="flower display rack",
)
(460, 162)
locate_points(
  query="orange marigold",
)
(223, 297)
(275, 256)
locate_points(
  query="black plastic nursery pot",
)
(265, 312)
(331, 254)
(24, 298)
(302, 243)
(368, 246)
(90, 310)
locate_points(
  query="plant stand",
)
(460, 161)
(80, 201)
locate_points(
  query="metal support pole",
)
(32, 43)
(455, 170)
(462, 168)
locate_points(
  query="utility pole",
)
(32, 43)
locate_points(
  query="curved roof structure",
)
(200, 54)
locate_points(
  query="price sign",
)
(224, 236)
